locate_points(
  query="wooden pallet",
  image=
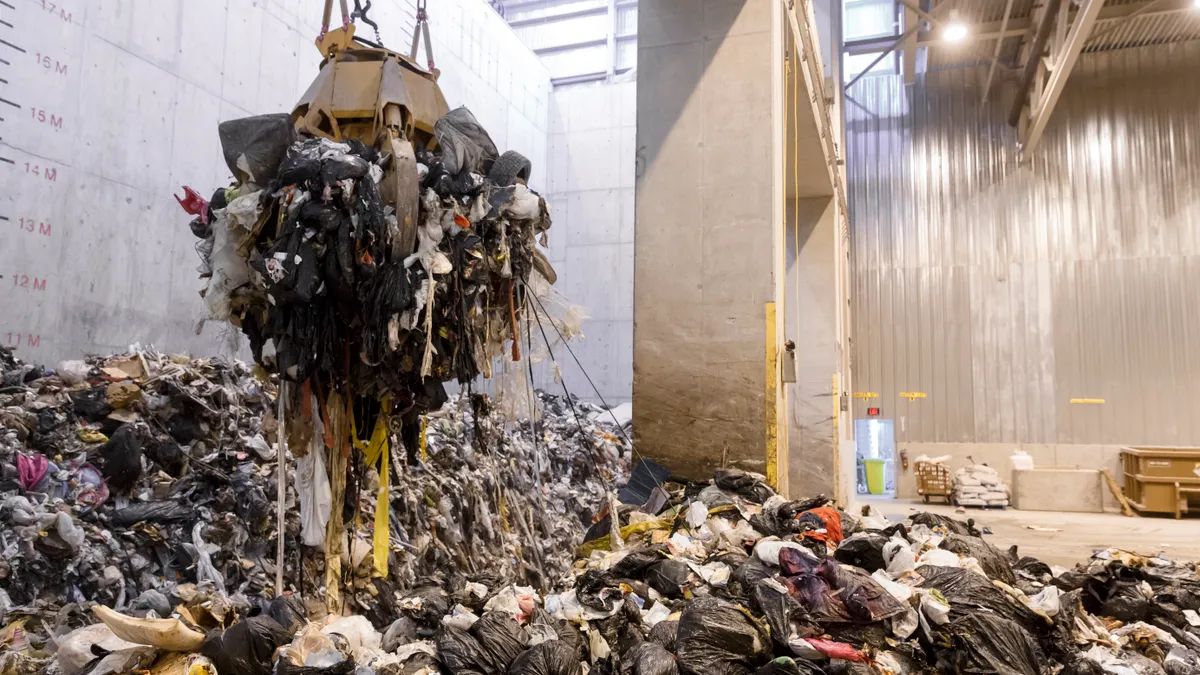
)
(933, 480)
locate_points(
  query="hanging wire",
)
(571, 404)
(583, 370)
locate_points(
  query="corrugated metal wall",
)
(1002, 291)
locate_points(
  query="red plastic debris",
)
(836, 650)
(194, 204)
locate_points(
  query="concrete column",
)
(704, 247)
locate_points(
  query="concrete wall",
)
(592, 161)
(704, 263)
(119, 105)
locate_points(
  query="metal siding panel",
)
(1004, 290)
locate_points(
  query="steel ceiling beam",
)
(1033, 59)
(1064, 63)
(1020, 26)
(987, 85)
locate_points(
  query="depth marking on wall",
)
(866, 394)
(39, 100)
(912, 395)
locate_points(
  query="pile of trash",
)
(147, 483)
(307, 254)
(718, 578)
(979, 485)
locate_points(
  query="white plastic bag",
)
(312, 484)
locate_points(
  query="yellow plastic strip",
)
(383, 544)
(424, 448)
(771, 392)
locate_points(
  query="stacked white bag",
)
(979, 485)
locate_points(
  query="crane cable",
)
(328, 15)
(422, 28)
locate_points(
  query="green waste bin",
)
(875, 481)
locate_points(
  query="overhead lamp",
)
(956, 31)
(1196, 4)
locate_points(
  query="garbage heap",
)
(718, 578)
(146, 483)
(979, 485)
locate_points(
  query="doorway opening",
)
(876, 449)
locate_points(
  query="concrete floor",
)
(1079, 535)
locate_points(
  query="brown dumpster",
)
(1162, 479)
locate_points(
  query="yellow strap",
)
(383, 533)
(376, 450)
(424, 448)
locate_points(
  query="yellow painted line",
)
(1087, 400)
(772, 362)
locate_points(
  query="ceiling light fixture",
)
(956, 31)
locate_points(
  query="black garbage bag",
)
(992, 645)
(865, 599)
(255, 146)
(781, 519)
(166, 453)
(646, 476)
(950, 524)
(635, 563)
(466, 145)
(669, 577)
(1117, 593)
(648, 658)
(122, 458)
(993, 562)
(622, 630)
(289, 612)
(549, 658)
(663, 633)
(786, 665)
(598, 590)
(783, 613)
(434, 604)
(301, 163)
(343, 167)
(542, 623)
(164, 511)
(751, 571)
(717, 638)
(1032, 569)
(460, 653)
(863, 550)
(748, 485)
(91, 404)
(968, 592)
(502, 640)
(247, 647)
(1060, 640)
